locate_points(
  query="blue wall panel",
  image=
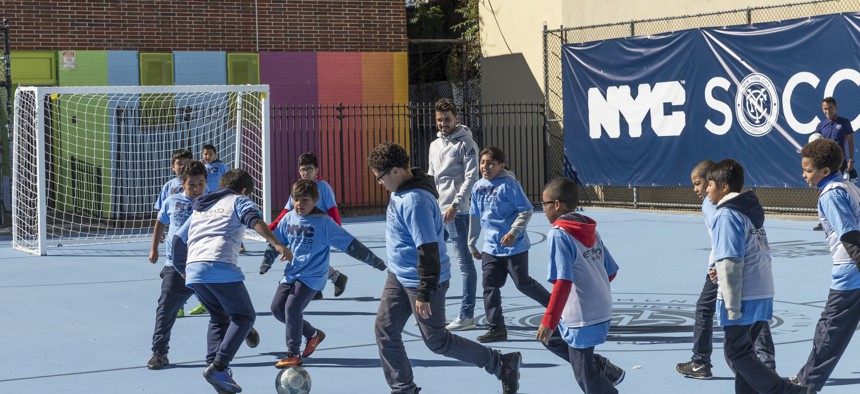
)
(123, 68)
(200, 67)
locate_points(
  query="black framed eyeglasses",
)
(543, 204)
(379, 177)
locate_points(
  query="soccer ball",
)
(293, 380)
(813, 137)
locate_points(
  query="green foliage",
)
(469, 31)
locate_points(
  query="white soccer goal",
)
(89, 162)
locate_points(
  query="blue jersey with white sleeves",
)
(170, 188)
(309, 238)
(497, 202)
(214, 171)
(174, 212)
(839, 213)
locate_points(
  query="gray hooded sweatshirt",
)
(454, 165)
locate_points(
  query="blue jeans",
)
(467, 265)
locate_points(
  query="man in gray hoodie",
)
(454, 166)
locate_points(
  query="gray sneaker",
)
(694, 370)
(461, 324)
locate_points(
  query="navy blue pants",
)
(751, 375)
(588, 366)
(703, 330)
(496, 270)
(231, 317)
(397, 304)
(174, 294)
(832, 334)
(288, 306)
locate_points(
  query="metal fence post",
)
(341, 140)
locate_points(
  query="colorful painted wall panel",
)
(200, 67)
(123, 68)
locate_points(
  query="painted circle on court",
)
(660, 321)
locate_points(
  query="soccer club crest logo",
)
(756, 105)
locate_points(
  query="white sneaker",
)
(461, 324)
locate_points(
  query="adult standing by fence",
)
(453, 162)
(838, 129)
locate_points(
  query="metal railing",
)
(343, 135)
(785, 200)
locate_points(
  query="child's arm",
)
(730, 272)
(835, 205)
(474, 233)
(729, 249)
(358, 251)
(335, 214)
(261, 228)
(517, 228)
(157, 234)
(558, 298)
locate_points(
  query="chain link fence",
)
(781, 200)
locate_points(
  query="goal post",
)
(89, 162)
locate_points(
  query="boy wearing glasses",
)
(309, 170)
(419, 272)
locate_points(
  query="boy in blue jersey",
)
(206, 249)
(175, 210)
(174, 185)
(742, 271)
(580, 308)
(309, 170)
(309, 233)
(839, 214)
(699, 367)
(504, 211)
(418, 278)
(215, 168)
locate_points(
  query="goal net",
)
(90, 162)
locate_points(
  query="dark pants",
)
(288, 305)
(751, 375)
(703, 330)
(174, 294)
(231, 317)
(395, 308)
(496, 270)
(832, 333)
(588, 367)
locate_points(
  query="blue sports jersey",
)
(174, 212)
(497, 202)
(172, 187)
(309, 238)
(214, 172)
(837, 130)
(326, 200)
(413, 219)
(839, 213)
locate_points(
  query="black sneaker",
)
(510, 375)
(614, 373)
(799, 388)
(159, 360)
(253, 338)
(694, 370)
(494, 334)
(269, 257)
(340, 284)
(818, 227)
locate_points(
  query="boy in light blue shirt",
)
(839, 214)
(174, 185)
(419, 273)
(580, 307)
(174, 212)
(742, 271)
(215, 168)
(504, 211)
(206, 251)
(309, 232)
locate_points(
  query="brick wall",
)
(215, 25)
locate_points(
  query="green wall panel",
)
(91, 69)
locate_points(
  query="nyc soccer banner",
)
(643, 111)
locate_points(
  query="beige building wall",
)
(512, 31)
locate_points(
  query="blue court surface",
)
(80, 320)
